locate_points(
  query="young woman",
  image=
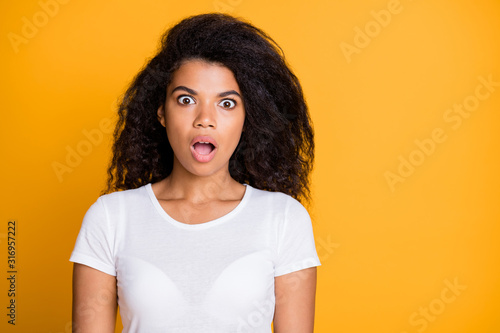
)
(202, 229)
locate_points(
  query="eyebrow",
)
(193, 92)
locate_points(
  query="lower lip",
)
(203, 158)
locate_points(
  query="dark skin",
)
(203, 99)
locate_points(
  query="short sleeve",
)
(296, 247)
(94, 244)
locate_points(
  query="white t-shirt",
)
(212, 277)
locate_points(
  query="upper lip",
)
(204, 138)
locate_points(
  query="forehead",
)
(204, 76)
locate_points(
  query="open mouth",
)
(203, 148)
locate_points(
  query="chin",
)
(205, 170)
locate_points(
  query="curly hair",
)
(276, 148)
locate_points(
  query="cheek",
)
(174, 133)
(235, 131)
(175, 123)
(234, 122)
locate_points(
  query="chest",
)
(211, 276)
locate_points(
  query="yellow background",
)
(388, 250)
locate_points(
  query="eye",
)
(185, 100)
(227, 103)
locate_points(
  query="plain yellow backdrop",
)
(405, 100)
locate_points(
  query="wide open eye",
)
(227, 103)
(185, 100)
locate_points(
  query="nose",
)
(205, 117)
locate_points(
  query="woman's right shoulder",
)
(116, 204)
(124, 197)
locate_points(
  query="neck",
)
(198, 189)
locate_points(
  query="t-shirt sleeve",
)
(94, 244)
(296, 247)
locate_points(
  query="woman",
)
(201, 229)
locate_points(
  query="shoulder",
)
(119, 203)
(277, 200)
(125, 197)
(115, 206)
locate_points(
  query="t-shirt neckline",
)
(203, 225)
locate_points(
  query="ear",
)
(161, 115)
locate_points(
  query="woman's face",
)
(203, 115)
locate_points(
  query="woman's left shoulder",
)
(276, 199)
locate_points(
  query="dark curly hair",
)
(276, 149)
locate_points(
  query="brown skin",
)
(94, 300)
(295, 298)
(197, 192)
